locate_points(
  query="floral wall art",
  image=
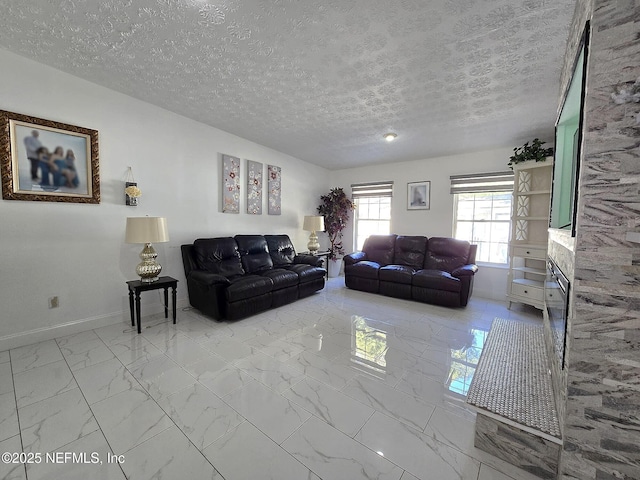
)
(275, 189)
(254, 188)
(230, 184)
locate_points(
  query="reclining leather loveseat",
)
(235, 277)
(432, 270)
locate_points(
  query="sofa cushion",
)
(218, 255)
(446, 254)
(307, 273)
(254, 253)
(281, 278)
(248, 286)
(396, 274)
(364, 269)
(379, 248)
(436, 280)
(280, 249)
(410, 251)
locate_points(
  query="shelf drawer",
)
(528, 252)
(529, 291)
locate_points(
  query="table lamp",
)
(147, 230)
(313, 224)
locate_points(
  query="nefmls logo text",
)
(73, 457)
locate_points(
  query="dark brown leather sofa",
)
(235, 277)
(432, 270)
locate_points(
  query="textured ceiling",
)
(319, 80)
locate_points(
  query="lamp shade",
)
(146, 230)
(313, 223)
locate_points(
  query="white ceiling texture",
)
(319, 80)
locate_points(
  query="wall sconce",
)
(131, 190)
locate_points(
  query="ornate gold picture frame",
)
(47, 161)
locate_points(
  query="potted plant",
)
(336, 208)
(530, 152)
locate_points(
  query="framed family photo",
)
(43, 160)
(418, 195)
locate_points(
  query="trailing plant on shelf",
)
(336, 208)
(530, 152)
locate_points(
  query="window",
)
(465, 361)
(482, 213)
(373, 210)
(373, 217)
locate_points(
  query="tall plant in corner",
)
(336, 208)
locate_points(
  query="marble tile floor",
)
(340, 385)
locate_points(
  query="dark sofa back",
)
(188, 259)
(218, 255)
(281, 249)
(379, 248)
(446, 254)
(254, 253)
(410, 251)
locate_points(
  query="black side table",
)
(136, 286)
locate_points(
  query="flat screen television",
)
(568, 141)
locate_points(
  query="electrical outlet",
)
(53, 302)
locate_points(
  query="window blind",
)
(482, 182)
(377, 189)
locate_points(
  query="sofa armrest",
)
(308, 260)
(207, 278)
(465, 271)
(207, 292)
(466, 274)
(354, 257)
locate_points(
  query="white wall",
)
(438, 220)
(77, 251)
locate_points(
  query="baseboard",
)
(488, 294)
(48, 333)
(21, 339)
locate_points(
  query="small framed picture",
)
(418, 195)
(43, 160)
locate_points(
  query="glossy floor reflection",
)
(341, 385)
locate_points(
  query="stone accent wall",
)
(512, 444)
(602, 422)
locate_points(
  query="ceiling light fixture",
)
(389, 137)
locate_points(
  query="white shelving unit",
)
(529, 230)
